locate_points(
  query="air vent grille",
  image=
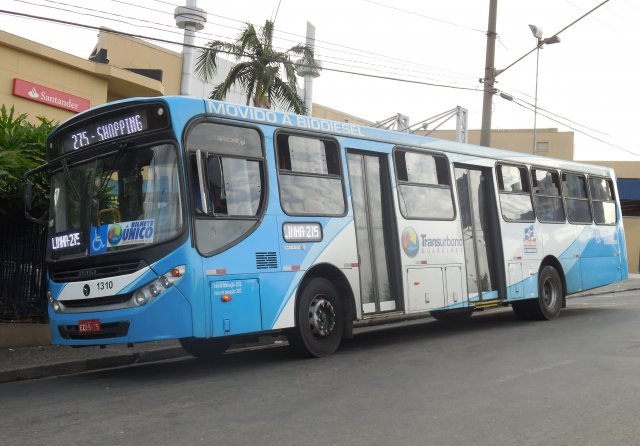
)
(266, 260)
(97, 272)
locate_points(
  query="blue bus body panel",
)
(250, 286)
(168, 316)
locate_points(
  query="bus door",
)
(375, 233)
(479, 218)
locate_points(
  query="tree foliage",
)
(22, 148)
(258, 68)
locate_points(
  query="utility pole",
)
(489, 75)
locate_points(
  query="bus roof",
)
(345, 129)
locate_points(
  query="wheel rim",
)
(549, 293)
(322, 316)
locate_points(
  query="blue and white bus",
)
(205, 221)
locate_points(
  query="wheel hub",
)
(549, 294)
(322, 316)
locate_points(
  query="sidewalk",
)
(17, 364)
(25, 363)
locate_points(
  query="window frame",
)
(566, 196)
(399, 182)
(504, 192)
(200, 168)
(559, 197)
(282, 132)
(611, 200)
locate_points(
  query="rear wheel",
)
(205, 348)
(550, 295)
(522, 309)
(319, 320)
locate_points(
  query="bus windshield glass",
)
(125, 199)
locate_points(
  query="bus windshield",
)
(125, 199)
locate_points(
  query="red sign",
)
(89, 326)
(49, 96)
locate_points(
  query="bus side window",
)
(603, 201)
(215, 180)
(514, 191)
(547, 197)
(227, 182)
(424, 186)
(310, 176)
(195, 186)
(576, 198)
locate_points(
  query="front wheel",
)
(319, 320)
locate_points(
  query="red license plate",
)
(89, 326)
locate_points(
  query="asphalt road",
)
(491, 381)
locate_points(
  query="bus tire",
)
(550, 295)
(522, 309)
(319, 320)
(205, 348)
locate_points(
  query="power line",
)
(510, 97)
(338, 44)
(554, 35)
(318, 42)
(341, 71)
(425, 16)
(177, 32)
(140, 36)
(577, 130)
(172, 30)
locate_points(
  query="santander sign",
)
(49, 96)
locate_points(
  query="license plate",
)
(89, 326)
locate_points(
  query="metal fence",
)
(23, 284)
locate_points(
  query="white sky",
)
(588, 81)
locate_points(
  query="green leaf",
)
(259, 70)
(22, 148)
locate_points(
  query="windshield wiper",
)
(114, 165)
(70, 180)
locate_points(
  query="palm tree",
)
(258, 68)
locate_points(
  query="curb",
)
(597, 293)
(71, 367)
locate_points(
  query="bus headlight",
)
(154, 290)
(55, 305)
(150, 291)
(139, 298)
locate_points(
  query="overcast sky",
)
(587, 83)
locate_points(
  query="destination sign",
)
(302, 232)
(91, 128)
(65, 240)
(106, 130)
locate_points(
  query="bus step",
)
(483, 304)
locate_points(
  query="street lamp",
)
(537, 33)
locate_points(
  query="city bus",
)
(211, 223)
